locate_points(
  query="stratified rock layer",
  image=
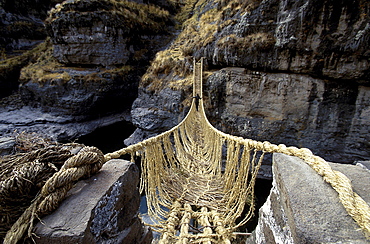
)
(105, 32)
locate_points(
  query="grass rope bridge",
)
(199, 181)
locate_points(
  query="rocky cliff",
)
(89, 68)
(293, 72)
(21, 23)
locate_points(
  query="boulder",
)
(101, 209)
(302, 208)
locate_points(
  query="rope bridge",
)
(199, 181)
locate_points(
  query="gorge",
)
(292, 72)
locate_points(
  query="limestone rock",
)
(302, 208)
(101, 209)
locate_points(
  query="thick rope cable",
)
(85, 163)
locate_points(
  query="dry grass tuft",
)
(29, 141)
(42, 70)
(201, 23)
(261, 41)
(122, 14)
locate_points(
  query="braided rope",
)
(88, 161)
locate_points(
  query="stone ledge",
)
(101, 209)
(302, 208)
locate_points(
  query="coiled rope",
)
(85, 163)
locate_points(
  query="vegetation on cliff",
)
(133, 17)
(10, 68)
(202, 20)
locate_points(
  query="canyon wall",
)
(292, 72)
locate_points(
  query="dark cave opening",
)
(109, 138)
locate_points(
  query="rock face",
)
(21, 23)
(84, 93)
(153, 114)
(302, 208)
(292, 72)
(322, 38)
(327, 116)
(110, 38)
(105, 33)
(102, 209)
(89, 71)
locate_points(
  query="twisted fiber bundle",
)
(85, 163)
(21, 177)
(195, 164)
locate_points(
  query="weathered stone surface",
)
(19, 30)
(101, 209)
(104, 33)
(363, 164)
(324, 38)
(153, 114)
(328, 117)
(302, 208)
(57, 127)
(112, 41)
(85, 93)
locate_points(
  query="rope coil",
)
(85, 163)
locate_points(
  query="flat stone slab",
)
(302, 208)
(101, 209)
